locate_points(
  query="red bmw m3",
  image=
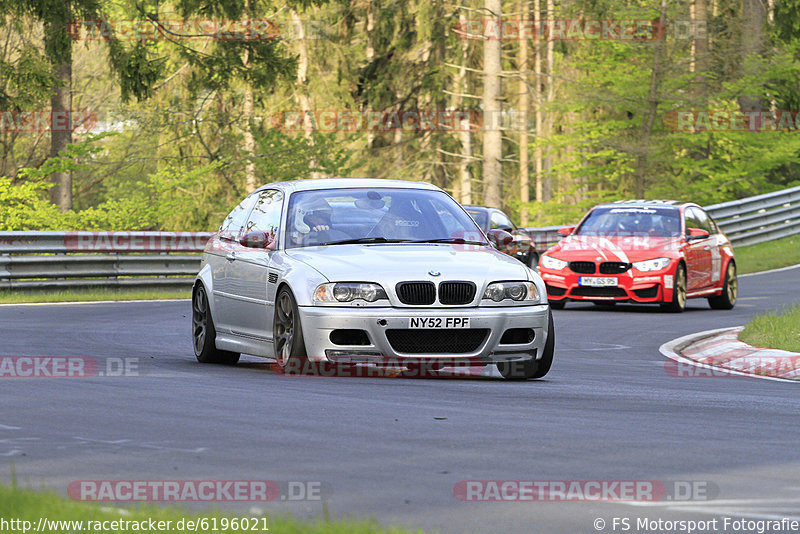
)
(640, 251)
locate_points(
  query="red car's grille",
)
(589, 291)
(647, 293)
(614, 267)
(582, 267)
(555, 291)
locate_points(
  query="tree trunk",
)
(646, 131)
(464, 188)
(537, 98)
(302, 82)
(492, 135)
(753, 15)
(547, 181)
(60, 106)
(370, 55)
(524, 195)
(249, 141)
(700, 54)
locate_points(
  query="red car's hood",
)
(627, 249)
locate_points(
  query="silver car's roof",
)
(342, 183)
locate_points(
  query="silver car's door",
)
(221, 259)
(252, 281)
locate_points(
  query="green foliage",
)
(24, 206)
(768, 255)
(31, 506)
(774, 330)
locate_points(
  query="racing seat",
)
(401, 221)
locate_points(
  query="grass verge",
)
(769, 255)
(774, 330)
(25, 505)
(14, 297)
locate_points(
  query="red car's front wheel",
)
(678, 302)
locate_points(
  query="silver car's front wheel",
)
(290, 349)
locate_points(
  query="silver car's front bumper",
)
(319, 322)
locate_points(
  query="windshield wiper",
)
(362, 240)
(451, 240)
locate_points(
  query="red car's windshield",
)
(641, 221)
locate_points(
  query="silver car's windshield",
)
(377, 215)
(636, 221)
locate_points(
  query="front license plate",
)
(438, 322)
(597, 281)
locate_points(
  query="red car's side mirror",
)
(261, 240)
(566, 230)
(697, 233)
(500, 239)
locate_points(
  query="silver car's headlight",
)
(651, 265)
(549, 262)
(344, 292)
(523, 292)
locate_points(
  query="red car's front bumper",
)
(633, 285)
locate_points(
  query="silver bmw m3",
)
(366, 272)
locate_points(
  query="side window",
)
(266, 214)
(691, 220)
(699, 219)
(231, 227)
(708, 222)
(499, 220)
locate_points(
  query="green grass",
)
(769, 255)
(26, 505)
(11, 296)
(774, 330)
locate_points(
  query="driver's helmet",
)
(318, 212)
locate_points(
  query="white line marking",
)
(715, 502)
(7, 427)
(106, 442)
(91, 302)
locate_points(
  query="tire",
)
(204, 333)
(730, 290)
(678, 302)
(533, 260)
(532, 368)
(557, 304)
(290, 347)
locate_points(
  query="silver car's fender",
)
(301, 278)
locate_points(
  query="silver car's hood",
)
(395, 263)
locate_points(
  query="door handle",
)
(230, 256)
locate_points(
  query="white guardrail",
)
(59, 260)
(760, 218)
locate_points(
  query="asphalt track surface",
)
(395, 448)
